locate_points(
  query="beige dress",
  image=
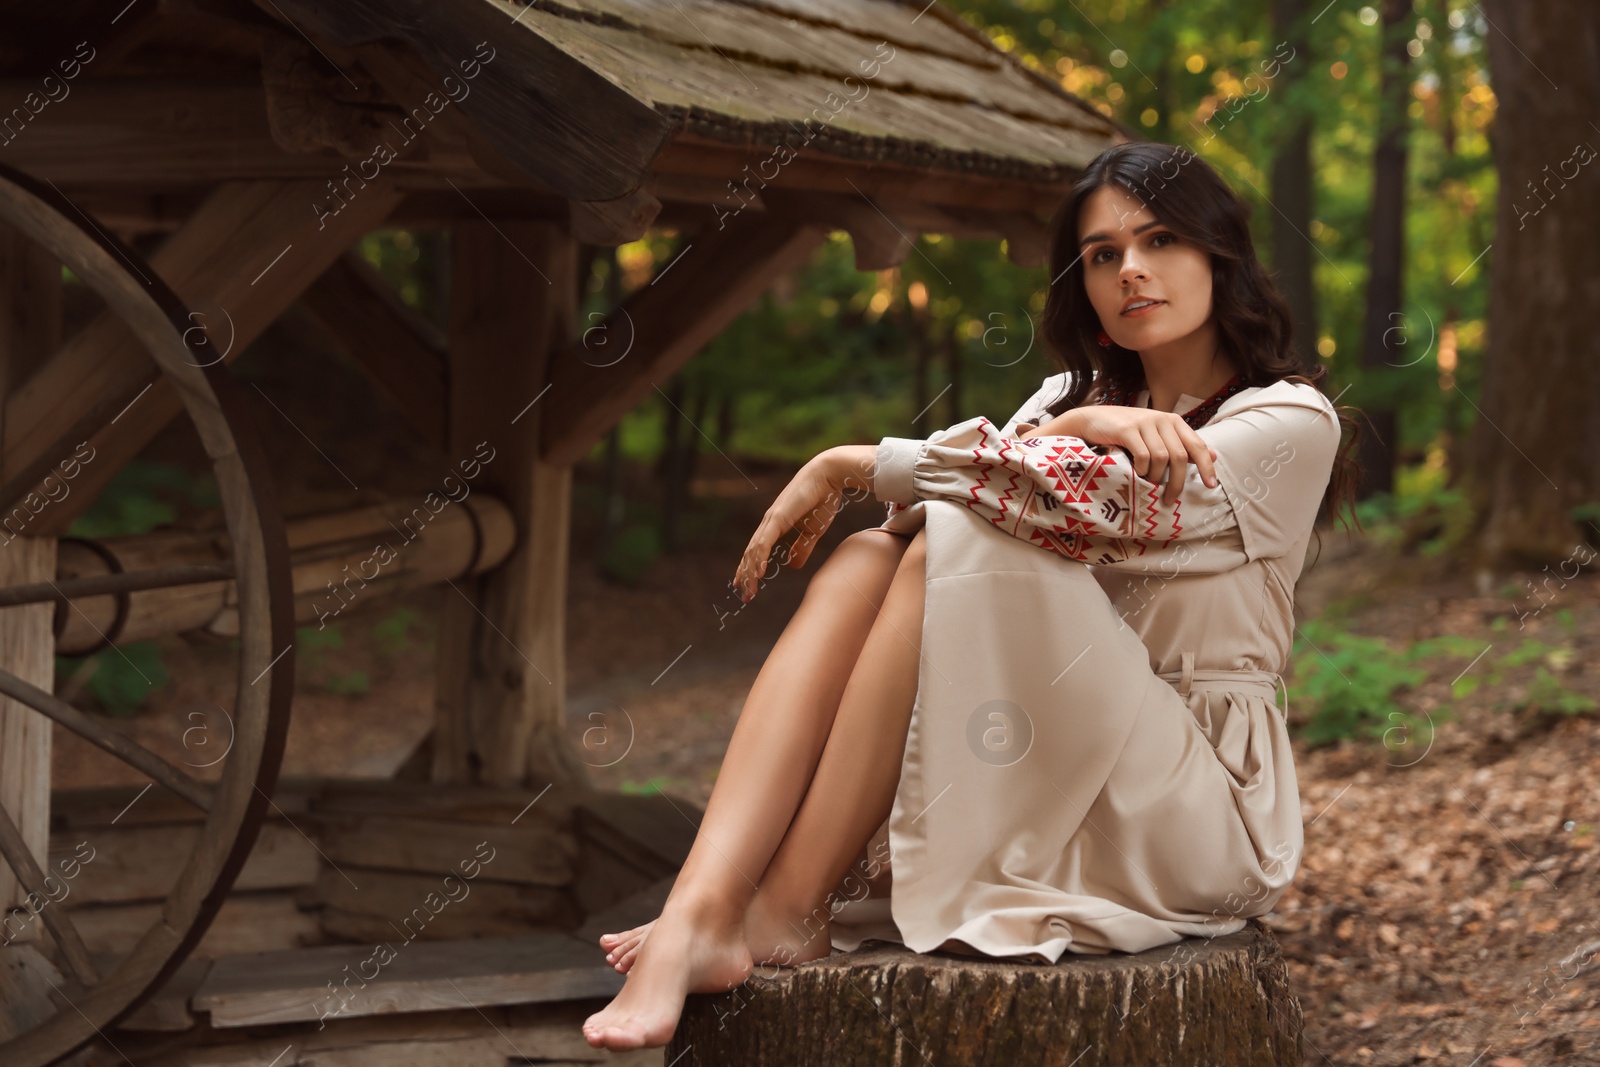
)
(1096, 759)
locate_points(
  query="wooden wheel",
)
(92, 994)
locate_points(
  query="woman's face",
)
(1128, 254)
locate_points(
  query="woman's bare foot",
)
(623, 948)
(689, 950)
(785, 939)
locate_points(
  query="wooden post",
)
(501, 693)
(30, 329)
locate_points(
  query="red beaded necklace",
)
(1122, 396)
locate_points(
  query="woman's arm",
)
(1091, 503)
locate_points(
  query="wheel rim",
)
(240, 798)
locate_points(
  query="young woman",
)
(1042, 695)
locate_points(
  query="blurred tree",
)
(1532, 453)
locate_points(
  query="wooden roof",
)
(583, 101)
(748, 72)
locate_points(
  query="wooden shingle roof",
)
(751, 72)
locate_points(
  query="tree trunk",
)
(1292, 250)
(672, 462)
(1531, 453)
(921, 361)
(1215, 1001)
(1385, 329)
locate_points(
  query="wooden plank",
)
(721, 272)
(548, 806)
(27, 651)
(249, 251)
(293, 986)
(25, 980)
(649, 830)
(546, 1033)
(530, 853)
(636, 910)
(501, 676)
(246, 922)
(168, 1010)
(140, 862)
(477, 908)
(133, 805)
(399, 348)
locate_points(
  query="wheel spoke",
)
(28, 872)
(130, 752)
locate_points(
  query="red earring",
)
(1104, 339)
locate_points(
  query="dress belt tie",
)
(1187, 679)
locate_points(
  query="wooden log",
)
(332, 555)
(1223, 1000)
(501, 679)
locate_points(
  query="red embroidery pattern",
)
(1061, 494)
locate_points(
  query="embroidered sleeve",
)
(1086, 501)
(1052, 387)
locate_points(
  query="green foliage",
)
(1421, 502)
(121, 679)
(654, 786)
(353, 683)
(631, 552)
(1546, 694)
(142, 497)
(393, 632)
(1351, 682)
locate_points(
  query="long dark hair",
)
(1254, 325)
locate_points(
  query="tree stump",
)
(1219, 1000)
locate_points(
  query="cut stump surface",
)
(1219, 1000)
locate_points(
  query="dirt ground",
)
(1445, 912)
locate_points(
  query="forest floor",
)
(1445, 912)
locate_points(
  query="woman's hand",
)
(810, 500)
(1158, 441)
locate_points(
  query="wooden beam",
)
(692, 155)
(881, 241)
(28, 651)
(30, 329)
(502, 645)
(153, 134)
(716, 277)
(249, 251)
(538, 106)
(610, 223)
(401, 350)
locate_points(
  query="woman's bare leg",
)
(853, 789)
(698, 945)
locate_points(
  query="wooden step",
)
(340, 981)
